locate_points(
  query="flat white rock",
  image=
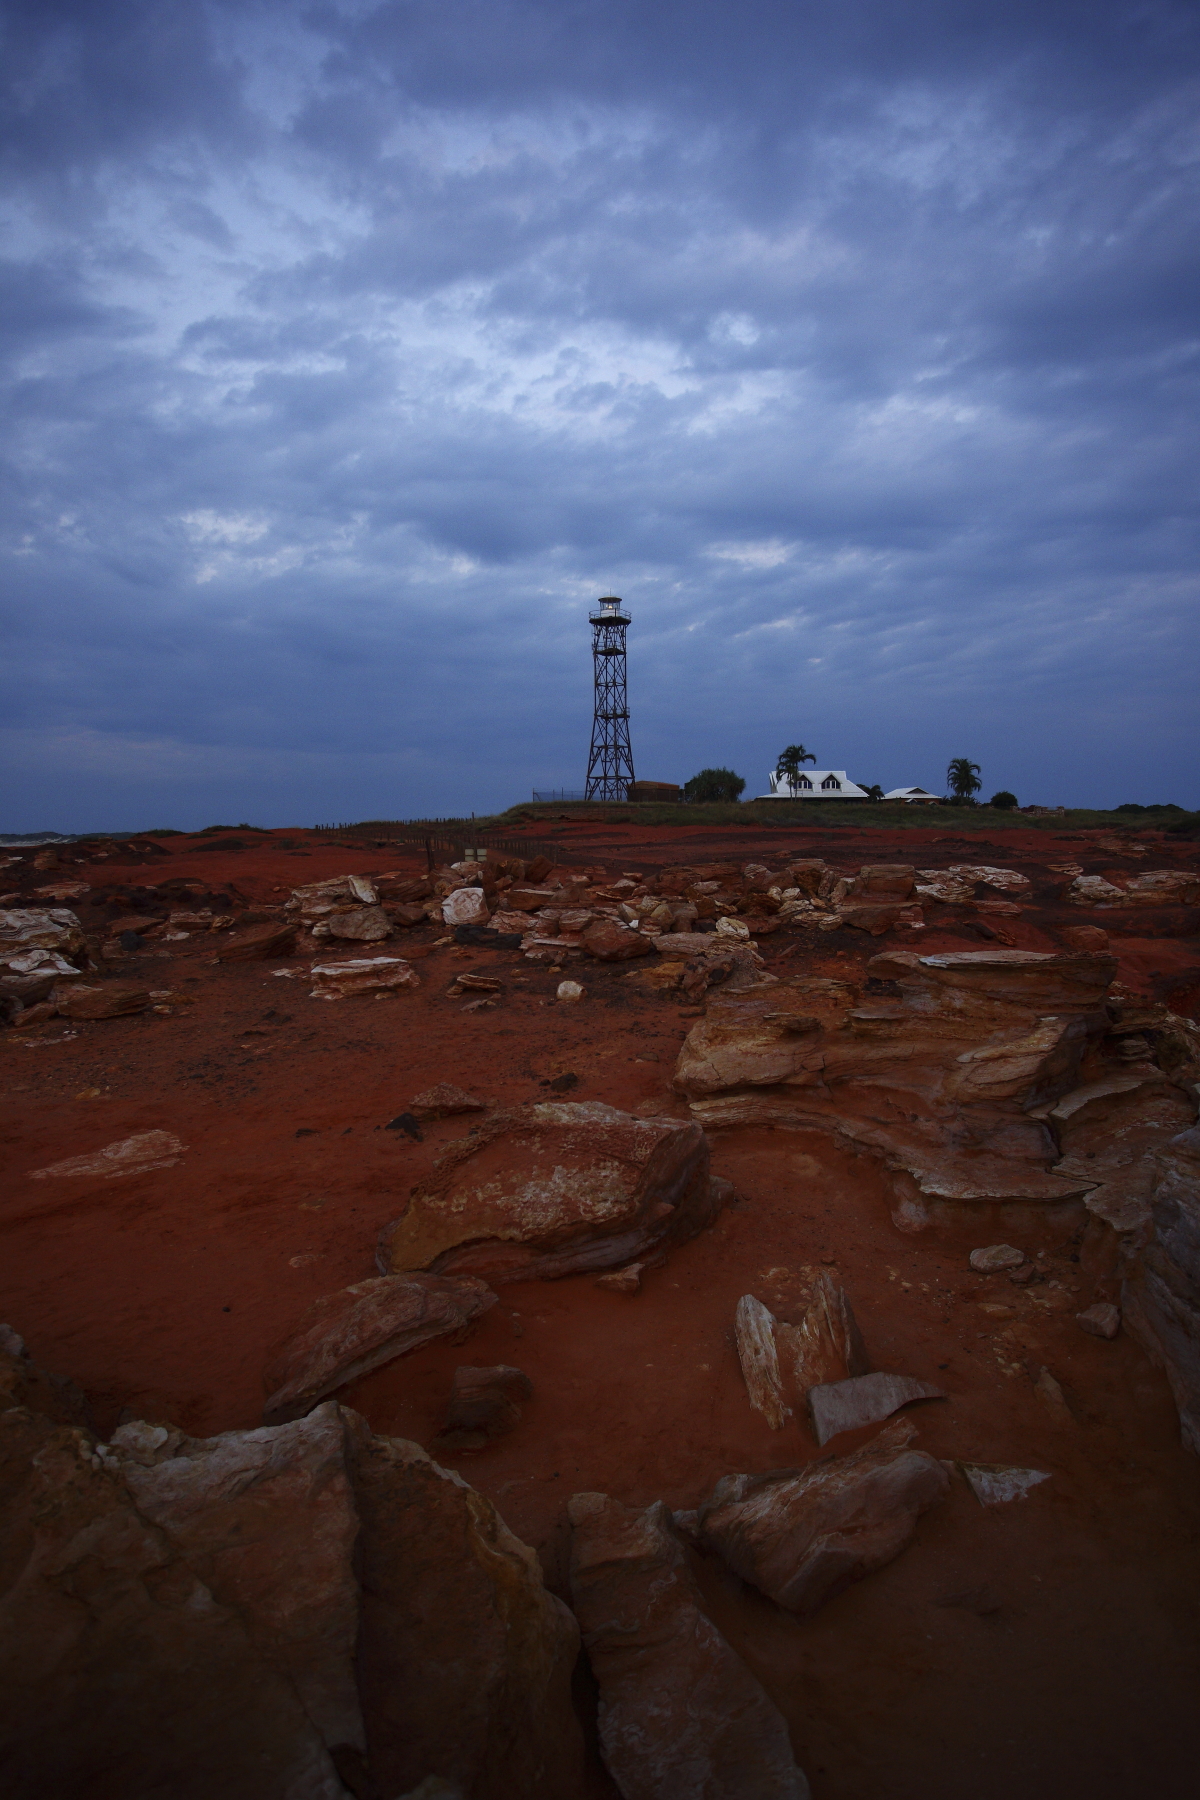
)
(994, 1483)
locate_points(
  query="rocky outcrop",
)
(800, 1536)
(680, 1714)
(556, 1189)
(1161, 1294)
(945, 1075)
(299, 1612)
(362, 1327)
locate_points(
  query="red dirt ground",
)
(1073, 1662)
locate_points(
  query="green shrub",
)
(712, 785)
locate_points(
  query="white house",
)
(916, 796)
(814, 784)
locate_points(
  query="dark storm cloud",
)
(351, 350)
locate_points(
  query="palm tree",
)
(788, 766)
(963, 777)
(874, 792)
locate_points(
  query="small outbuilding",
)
(915, 796)
(654, 790)
(815, 784)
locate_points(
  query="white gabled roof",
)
(815, 784)
(911, 793)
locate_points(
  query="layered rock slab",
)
(940, 1081)
(359, 1328)
(680, 1717)
(801, 1535)
(464, 1658)
(556, 1189)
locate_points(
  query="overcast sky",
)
(351, 350)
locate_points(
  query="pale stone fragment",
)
(993, 1484)
(996, 1257)
(837, 1406)
(754, 1327)
(128, 1156)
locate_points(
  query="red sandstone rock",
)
(555, 1189)
(359, 1328)
(483, 1406)
(362, 924)
(151, 1686)
(887, 878)
(680, 1714)
(266, 1520)
(259, 942)
(443, 1101)
(108, 1002)
(802, 1536)
(1085, 937)
(610, 941)
(464, 1660)
(1102, 1320)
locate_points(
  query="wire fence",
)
(551, 794)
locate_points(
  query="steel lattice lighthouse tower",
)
(610, 764)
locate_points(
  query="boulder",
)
(361, 924)
(995, 1258)
(483, 1405)
(801, 1536)
(40, 928)
(524, 898)
(680, 1714)
(555, 1189)
(363, 975)
(887, 878)
(109, 1002)
(465, 906)
(361, 1327)
(877, 917)
(1085, 937)
(1160, 1298)
(980, 983)
(1102, 1320)
(610, 941)
(259, 942)
(122, 1671)
(32, 975)
(249, 1510)
(464, 1660)
(443, 1101)
(836, 1406)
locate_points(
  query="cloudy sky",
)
(351, 350)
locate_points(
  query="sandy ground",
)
(1044, 1649)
